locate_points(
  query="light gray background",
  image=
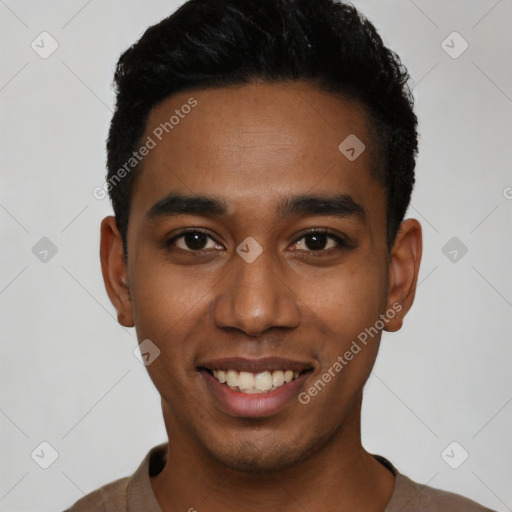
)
(68, 373)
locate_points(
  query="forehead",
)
(254, 143)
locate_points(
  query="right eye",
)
(192, 240)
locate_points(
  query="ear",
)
(404, 267)
(113, 268)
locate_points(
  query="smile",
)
(254, 388)
(248, 382)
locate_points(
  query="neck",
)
(341, 476)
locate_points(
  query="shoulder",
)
(128, 493)
(108, 498)
(409, 495)
(412, 496)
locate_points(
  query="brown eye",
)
(319, 241)
(316, 242)
(192, 241)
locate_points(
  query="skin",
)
(252, 145)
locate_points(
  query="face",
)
(257, 249)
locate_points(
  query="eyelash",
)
(341, 243)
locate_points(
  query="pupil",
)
(319, 242)
(195, 240)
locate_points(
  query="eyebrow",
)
(340, 206)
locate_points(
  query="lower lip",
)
(254, 405)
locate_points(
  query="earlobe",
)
(404, 267)
(114, 270)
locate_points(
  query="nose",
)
(255, 297)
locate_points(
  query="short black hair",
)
(216, 43)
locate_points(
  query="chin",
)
(271, 457)
(252, 460)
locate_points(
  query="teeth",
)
(278, 378)
(263, 381)
(246, 380)
(249, 383)
(232, 378)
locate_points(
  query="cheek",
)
(165, 295)
(349, 297)
(347, 310)
(345, 307)
(164, 314)
(167, 307)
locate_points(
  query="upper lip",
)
(255, 365)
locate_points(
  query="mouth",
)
(251, 383)
(254, 388)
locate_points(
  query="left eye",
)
(319, 241)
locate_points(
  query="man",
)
(261, 161)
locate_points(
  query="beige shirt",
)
(135, 494)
